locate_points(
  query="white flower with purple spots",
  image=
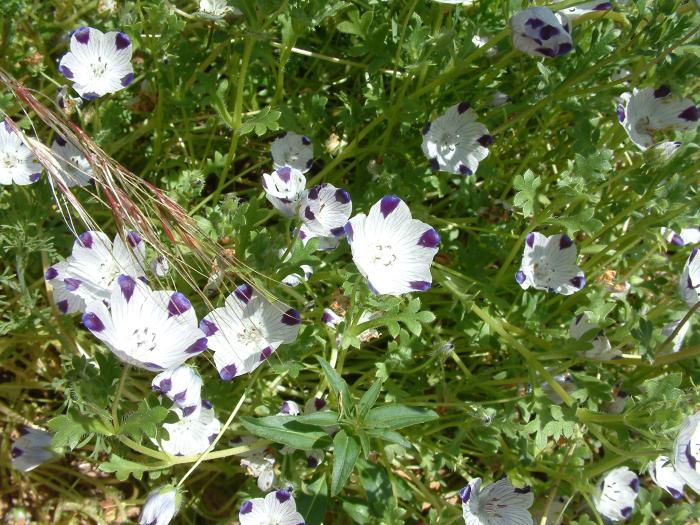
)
(66, 301)
(247, 330)
(183, 385)
(277, 507)
(586, 7)
(455, 142)
(686, 452)
(95, 263)
(160, 506)
(289, 408)
(292, 150)
(686, 236)
(98, 63)
(324, 210)
(284, 188)
(391, 249)
(31, 449)
(549, 263)
(677, 341)
(539, 32)
(644, 112)
(331, 319)
(75, 169)
(153, 330)
(192, 434)
(617, 492)
(582, 328)
(689, 284)
(665, 476)
(498, 504)
(18, 165)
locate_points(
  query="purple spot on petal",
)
(524, 490)
(71, 284)
(127, 79)
(66, 72)
(564, 48)
(690, 114)
(178, 304)
(302, 235)
(311, 461)
(420, 286)
(662, 91)
(85, 239)
(545, 51)
(603, 6)
(165, 386)
(434, 164)
(426, 128)
(291, 317)
(16, 452)
(180, 396)
(520, 277)
(309, 214)
(548, 32)
(485, 140)
(207, 404)
(463, 106)
(465, 493)
(306, 141)
(212, 437)
(534, 23)
(338, 232)
(530, 240)
(634, 484)
(267, 352)
(244, 293)
(620, 113)
(228, 372)
(675, 493)
(372, 288)
(285, 174)
(8, 127)
(247, 507)
(282, 495)
(692, 255)
(309, 163)
(60, 140)
(34, 177)
(127, 285)
(565, 242)
(188, 411)
(579, 281)
(92, 322)
(464, 170)
(133, 239)
(122, 41)
(677, 240)
(198, 346)
(62, 306)
(342, 196)
(689, 456)
(429, 239)
(51, 273)
(90, 95)
(208, 327)
(313, 193)
(82, 34)
(626, 512)
(388, 204)
(348, 231)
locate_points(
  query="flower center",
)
(9, 161)
(252, 336)
(383, 255)
(98, 68)
(542, 271)
(492, 507)
(144, 339)
(641, 125)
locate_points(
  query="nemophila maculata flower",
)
(586, 7)
(324, 211)
(18, 165)
(617, 492)
(277, 507)
(686, 236)
(75, 168)
(582, 328)
(95, 263)
(686, 452)
(644, 112)
(98, 63)
(160, 506)
(539, 32)
(663, 473)
(391, 249)
(497, 504)
(153, 330)
(31, 449)
(689, 284)
(455, 142)
(549, 263)
(182, 385)
(66, 301)
(667, 149)
(292, 150)
(192, 434)
(247, 330)
(284, 188)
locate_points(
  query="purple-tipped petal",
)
(338, 232)
(291, 317)
(90, 95)
(313, 193)
(92, 322)
(198, 346)
(62, 306)
(674, 493)
(178, 304)
(434, 164)
(603, 6)
(71, 284)
(342, 196)
(319, 403)
(579, 281)
(311, 461)
(420, 286)
(429, 239)
(127, 285)
(465, 170)
(309, 214)
(626, 512)
(692, 255)
(548, 32)
(564, 49)
(348, 231)
(677, 240)
(208, 327)
(524, 490)
(546, 51)
(228, 372)
(634, 484)
(388, 204)
(309, 163)
(16, 452)
(285, 173)
(520, 277)
(426, 128)
(247, 507)
(34, 177)
(164, 386)
(244, 293)
(620, 113)
(212, 437)
(282, 495)
(485, 140)
(122, 41)
(463, 106)
(86, 240)
(530, 240)
(690, 114)
(60, 140)
(306, 141)
(565, 242)
(188, 411)
(534, 23)
(50, 273)
(465, 493)
(127, 79)
(267, 352)
(66, 72)
(662, 91)
(180, 396)
(82, 35)
(372, 288)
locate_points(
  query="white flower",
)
(686, 452)
(292, 150)
(277, 507)
(181, 385)
(289, 408)
(75, 169)
(617, 492)
(247, 330)
(95, 263)
(677, 341)
(66, 301)
(667, 149)
(498, 504)
(192, 434)
(153, 330)
(686, 236)
(585, 8)
(160, 507)
(160, 266)
(391, 249)
(31, 449)
(215, 9)
(646, 111)
(18, 165)
(665, 476)
(565, 381)
(455, 142)
(284, 188)
(689, 284)
(583, 328)
(549, 263)
(539, 32)
(324, 211)
(98, 63)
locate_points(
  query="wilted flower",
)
(18, 165)
(585, 8)
(689, 284)
(160, 266)
(149, 329)
(391, 249)
(617, 492)
(284, 188)
(498, 504)
(247, 330)
(292, 150)
(455, 142)
(277, 507)
(191, 434)
(98, 63)
(181, 385)
(686, 452)
(665, 476)
(686, 236)
(583, 328)
(31, 449)
(66, 301)
(160, 507)
(324, 211)
(538, 31)
(646, 111)
(549, 263)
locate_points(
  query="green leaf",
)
(394, 417)
(390, 436)
(324, 418)
(346, 450)
(262, 122)
(70, 428)
(145, 421)
(369, 398)
(123, 468)
(527, 185)
(338, 384)
(288, 431)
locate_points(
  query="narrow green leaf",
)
(393, 417)
(370, 398)
(390, 436)
(324, 418)
(338, 384)
(346, 449)
(288, 431)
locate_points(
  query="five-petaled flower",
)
(324, 210)
(665, 476)
(538, 31)
(154, 330)
(686, 452)
(549, 263)
(98, 63)
(284, 188)
(617, 492)
(31, 449)
(247, 330)
(292, 150)
(18, 165)
(191, 434)
(160, 506)
(75, 169)
(455, 142)
(391, 249)
(498, 504)
(277, 507)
